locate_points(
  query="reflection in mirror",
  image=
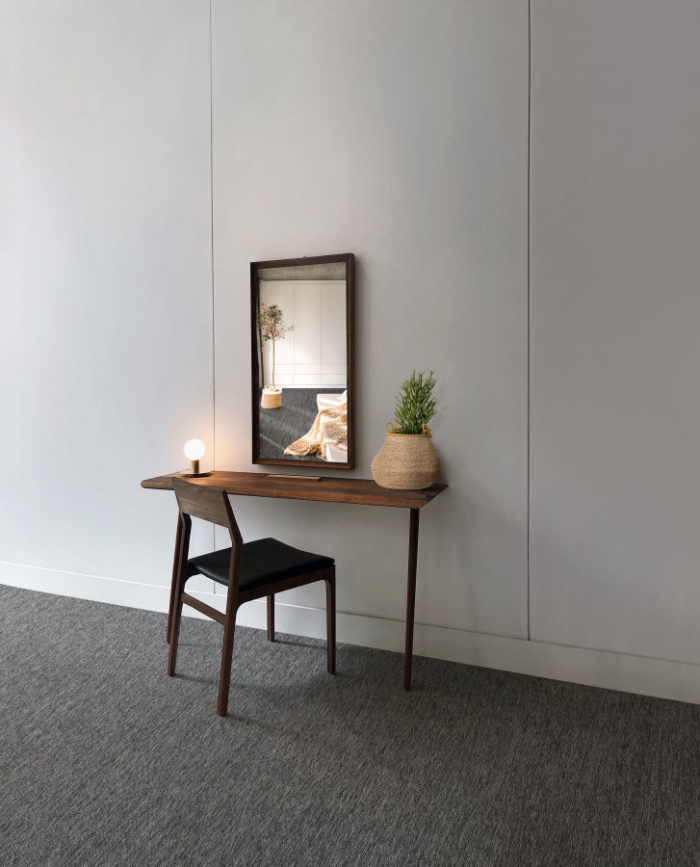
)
(302, 389)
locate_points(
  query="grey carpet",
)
(104, 760)
(280, 427)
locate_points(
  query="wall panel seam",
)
(529, 302)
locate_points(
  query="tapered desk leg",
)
(411, 595)
(178, 538)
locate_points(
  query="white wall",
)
(313, 353)
(406, 142)
(615, 316)
(106, 281)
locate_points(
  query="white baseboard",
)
(637, 674)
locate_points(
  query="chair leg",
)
(330, 621)
(175, 632)
(271, 617)
(226, 655)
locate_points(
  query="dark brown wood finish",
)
(271, 617)
(209, 503)
(175, 614)
(203, 608)
(330, 623)
(411, 595)
(362, 492)
(255, 268)
(212, 504)
(176, 560)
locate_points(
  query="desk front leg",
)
(411, 595)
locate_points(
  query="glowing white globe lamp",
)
(194, 451)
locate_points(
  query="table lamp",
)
(194, 450)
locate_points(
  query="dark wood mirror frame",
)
(255, 268)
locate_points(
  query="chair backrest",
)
(209, 504)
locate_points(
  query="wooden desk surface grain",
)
(363, 492)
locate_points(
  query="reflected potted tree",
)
(272, 328)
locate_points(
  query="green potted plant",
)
(272, 329)
(407, 460)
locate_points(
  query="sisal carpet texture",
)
(106, 761)
(282, 426)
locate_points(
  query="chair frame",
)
(213, 505)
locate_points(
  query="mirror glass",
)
(302, 363)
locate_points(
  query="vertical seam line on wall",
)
(529, 303)
(211, 225)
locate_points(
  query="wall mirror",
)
(302, 361)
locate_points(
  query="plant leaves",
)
(415, 404)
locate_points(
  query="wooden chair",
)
(249, 571)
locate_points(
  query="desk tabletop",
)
(326, 489)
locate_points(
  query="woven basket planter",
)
(271, 397)
(406, 462)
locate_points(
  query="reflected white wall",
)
(313, 354)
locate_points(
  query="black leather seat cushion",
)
(262, 562)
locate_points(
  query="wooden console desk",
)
(359, 492)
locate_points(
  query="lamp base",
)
(188, 474)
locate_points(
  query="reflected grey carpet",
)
(281, 427)
(104, 760)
